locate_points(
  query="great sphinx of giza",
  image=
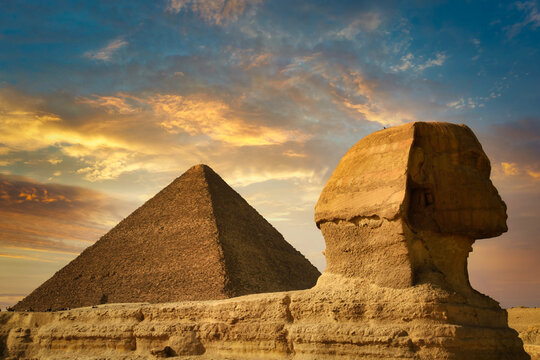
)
(399, 216)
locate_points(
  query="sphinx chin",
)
(399, 216)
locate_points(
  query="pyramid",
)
(197, 239)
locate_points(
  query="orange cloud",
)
(534, 174)
(52, 218)
(15, 191)
(509, 168)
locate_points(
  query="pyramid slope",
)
(257, 257)
(169, 249)
(165, 250)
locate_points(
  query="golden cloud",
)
(25, 126)
(509, 168)
(198, 115)
(122, 133)
(218, 121)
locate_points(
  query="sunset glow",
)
(104, 104)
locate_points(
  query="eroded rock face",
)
(396, 284)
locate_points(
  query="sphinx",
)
(399, 216)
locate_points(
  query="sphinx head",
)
(448, 185)
(409, 201)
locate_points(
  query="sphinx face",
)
(449, 190)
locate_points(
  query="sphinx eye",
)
(476, 161)
(471, 159)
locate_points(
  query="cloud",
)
(43, 226)
(530, 170)
(124, 133)
(532, 18)
(219, 12)
(349, 91)
(106, 53)
(51, 218)
(468, 103)
(407, 63)
(197, 114)
(27, 126)
(509, 169)
(249, 59)
(111, 104)
(291, 153)
(366, 21)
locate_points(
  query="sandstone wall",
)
(339, 319)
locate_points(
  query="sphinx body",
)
(399, 216)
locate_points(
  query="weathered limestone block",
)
(398, 226)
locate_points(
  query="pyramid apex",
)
(202, 171)
(199, 168)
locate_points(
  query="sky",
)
(104, 103)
